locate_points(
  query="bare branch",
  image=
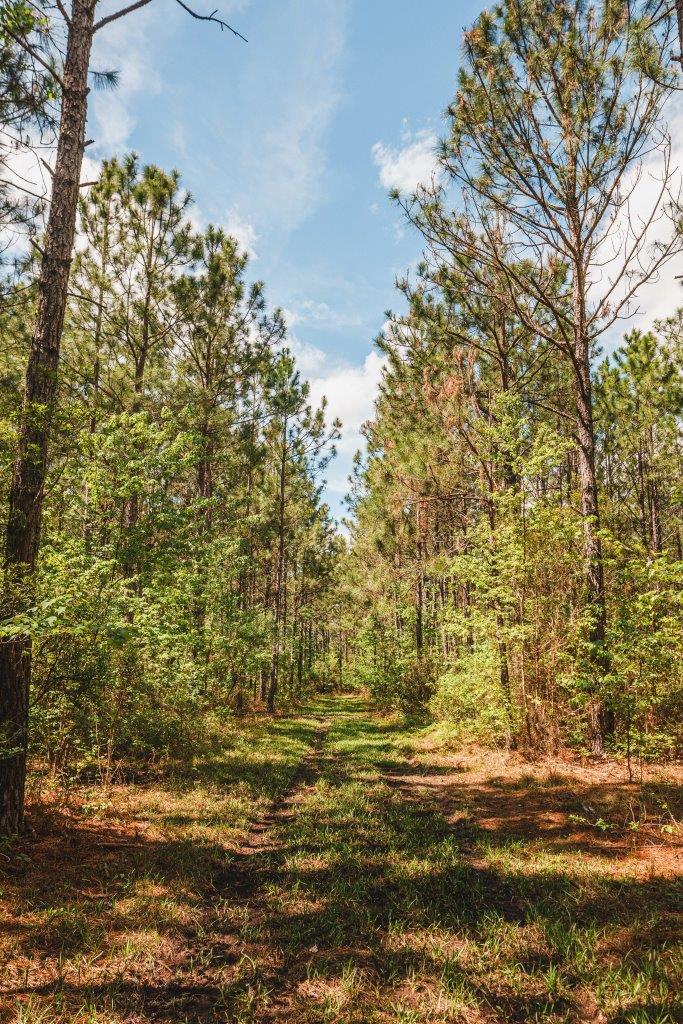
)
(38, 249)
(120, 14)
(212, 17)
(63, 11)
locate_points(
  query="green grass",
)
(118, 883)
(368, 907)
(411, 919)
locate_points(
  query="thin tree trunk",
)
(653, 499)
(280, 573)
(205, 494)
(641, 489)
(131, 509)
(419, 588)
(28, 481)
(599, 718)
(92, 419)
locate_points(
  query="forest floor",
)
(331, 867)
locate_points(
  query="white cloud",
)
(28, 168)
(406, 166)
(121, 47)
(309, 358)
(658, 297)
(27, 171)
(241, 229)
(351, 392)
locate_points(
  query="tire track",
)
(262, 836)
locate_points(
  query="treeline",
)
(167, 553)
(517, 545)
(185, 550)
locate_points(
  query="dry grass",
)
(394, 884)
(114, 901)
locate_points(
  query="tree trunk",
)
(419, 593)
(300, 661)
(656, 539)
(280, 575)
(131, 508)
(205, 494)
(599, 718)
(28, 480)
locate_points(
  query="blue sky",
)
(292, 142)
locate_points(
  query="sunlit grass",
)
(369, 907)
(138, 889)
(524, 935)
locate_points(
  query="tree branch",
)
(120, 14)
(212, 17)
(27, 48)
(62, 10)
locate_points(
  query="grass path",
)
(377, 884)
(373, 905)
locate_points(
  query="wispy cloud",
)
(284, 156)
(320, 314)
(178, 139)
(123, 46)
(410, 164)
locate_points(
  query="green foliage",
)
(186, 553)
(27, 90)
(484, 532)
(517, 520)
(515, 557)
(471, 697)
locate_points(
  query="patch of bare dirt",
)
(583, 806)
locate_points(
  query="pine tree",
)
(27, 489)
(556, 106)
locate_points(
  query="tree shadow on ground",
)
(370, 897)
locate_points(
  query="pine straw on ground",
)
(355, 878)
(571, 803)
